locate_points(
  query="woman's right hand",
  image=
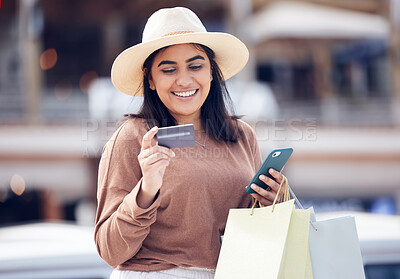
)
(153, 160)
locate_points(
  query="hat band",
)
(177, 33)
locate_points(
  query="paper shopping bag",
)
(308, 272)
(335, 249)
(296, 260)
(271, 243)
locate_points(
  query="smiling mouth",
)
(185, 93)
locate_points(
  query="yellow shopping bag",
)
(269, 242)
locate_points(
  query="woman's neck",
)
(196, 121)
(197, 124)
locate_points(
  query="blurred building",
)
(323, 77)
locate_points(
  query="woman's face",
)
(181, 75)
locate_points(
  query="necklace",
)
(205, 140)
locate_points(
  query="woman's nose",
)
(184, 79)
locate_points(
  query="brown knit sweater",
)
(183, 225)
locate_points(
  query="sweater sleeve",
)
(121, 225)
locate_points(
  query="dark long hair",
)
(215, 112)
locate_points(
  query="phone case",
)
(276, 160)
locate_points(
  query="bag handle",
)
(285, 197)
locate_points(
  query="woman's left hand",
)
(267, 197)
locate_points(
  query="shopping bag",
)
(297, 253)
(335, 249)
(308, 271)
(269, 242)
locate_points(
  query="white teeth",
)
(185, 94)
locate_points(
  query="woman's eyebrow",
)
(166, 62)
(169, 62)
(195, 58)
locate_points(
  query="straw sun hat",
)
(170, 27)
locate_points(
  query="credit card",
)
(176, 136)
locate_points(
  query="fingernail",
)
(173, 154)
(272, 171)
(262, 176)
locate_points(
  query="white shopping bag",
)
(335, 249)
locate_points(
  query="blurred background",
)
(323, 78)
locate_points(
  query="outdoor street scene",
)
(323, 78)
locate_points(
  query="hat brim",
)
(231, 55)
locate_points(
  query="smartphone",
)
(276, 160)
(176, 136)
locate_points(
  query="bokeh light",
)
(63, 89)
(17, 184)
(48, 59)
(86, 79)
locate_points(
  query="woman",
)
(161, 212)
